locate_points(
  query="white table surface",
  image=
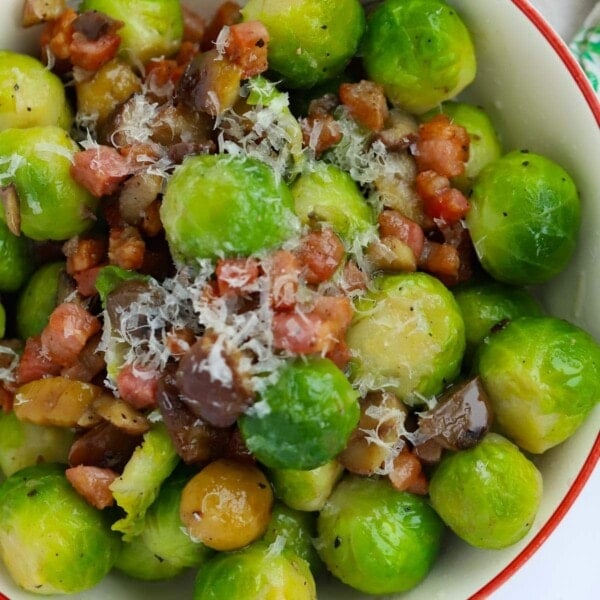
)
(567, 566)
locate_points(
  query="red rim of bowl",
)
(594, 456)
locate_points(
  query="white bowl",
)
(539, 99)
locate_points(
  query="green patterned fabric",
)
(586, 47)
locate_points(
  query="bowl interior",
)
(535, 102)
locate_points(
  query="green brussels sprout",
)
(376, 539)
(484, 146)
(15, 259)
(524, 218)
(51, 540)
(138, 486)
(152, 28)
(162, 550)
(30, 94)
(326, 193)
(407, 336)
(304, 419)
(310, 40)
(485, 304)
(257, 571)
(542, 376)
(38, 299)
(218, 205)
(111, 276)
(24, 444)
(298, 529)
(420, 51)
(37, 161)
(488, 495)
(306, 490)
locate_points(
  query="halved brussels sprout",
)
(221, 205)
(524, 218)
(310, 40)
(51, 540)
(488, 495)
(376, 539)
(304, 419)
(420, 51)
(407, 336)
(30, 94)
(542, 375)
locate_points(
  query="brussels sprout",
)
(487, 303)
(30, 94)
(484, 146)
(37, 161)
(376, 539)
(15, 259)
(111, 276)
(310, 40)
(298, 529)
(219, 205)
(407, 336)
(542, 376)
(304, 419)
(24, 444)
(306, 490)
(420, 51)
(152, 28)
(2, 321)
(524, 218)
(162, 550)
(38, 299)
(326, 193)
(51, 540)
(257, 571)
(137, 487)
(488, 495)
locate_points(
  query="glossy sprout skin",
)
(38, 299)
(484, 304)
(376, 539)
(304, 419)
(420, 51)
(37, 161)
(484, 144)
(488, 495)
(542, 375)
(524, 218)
(268, 572)
(311, 41)
(407, 336)
(15, 258)
(327, 194)
(30, 94)
(220, 205)
(152, 28)
(51, 540)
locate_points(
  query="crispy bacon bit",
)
(394, 224)
(137, 386)
(324, 105)
(35, 362)
(93, 484)
(440, 259)
(320, 254)
(83, 253)
(89, 363)
(69, 328)
(41, 11)
(236, 276)
(100, 170)
(193, 25)
(86, 281)
(12, 212)
(284, 269)
(320, 133)
(354, 279)
(57, 36)
(6, 399)
(442, 146)
(228, 13)
(126, 248)
(179, 341)
(91, 55)
(247, 47)
(340, 355)
(439, 199)
(366, 103)
(406, 470)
